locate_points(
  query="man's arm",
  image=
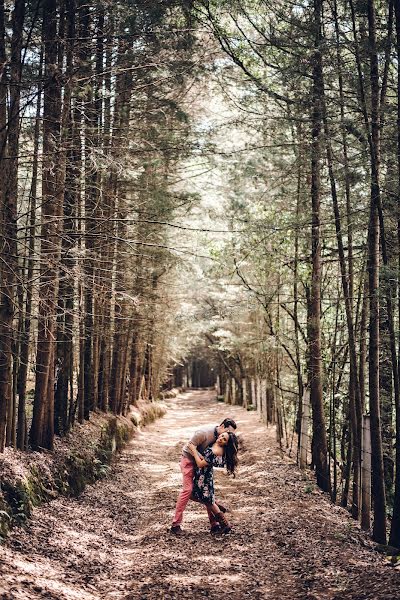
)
(198, 438)
(199, 459)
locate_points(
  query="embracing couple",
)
(208, 448)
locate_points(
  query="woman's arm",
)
(200, 461)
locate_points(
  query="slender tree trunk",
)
(120, 128)
(97, 123)
(300, 386)
(18, 16)
(85, 33)
(394, 538)
(319, 445)
(68, 177)
(8, 237)
(354, 396)
(379, 527)
(42, 430)
(106, 252)
(26, 336)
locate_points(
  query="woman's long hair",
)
(231, 450)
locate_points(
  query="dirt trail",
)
(113, 542)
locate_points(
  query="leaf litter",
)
(113, 542)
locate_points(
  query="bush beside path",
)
(113, 543)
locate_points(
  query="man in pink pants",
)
(201, 439)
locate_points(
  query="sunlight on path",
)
(113, 542)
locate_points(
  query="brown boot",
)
(176, 530)
(223, 521)
(215, 529)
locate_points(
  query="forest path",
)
(112, 543)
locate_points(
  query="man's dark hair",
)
(229, 423)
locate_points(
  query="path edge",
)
(83, 456)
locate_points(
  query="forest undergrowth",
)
(288, 540)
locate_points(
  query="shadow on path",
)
(113, 542)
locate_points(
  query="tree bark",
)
(7, 235)
(68, 177)
(42, 430)
(319, 445)
(379, 526)
(394, 538)
(26, 335)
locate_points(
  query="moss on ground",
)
(69, 470)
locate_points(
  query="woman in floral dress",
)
(223, 453)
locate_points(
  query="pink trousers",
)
(187, 468)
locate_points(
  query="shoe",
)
(222, 508)
(223, 521)
(216, 528)
(176, 530)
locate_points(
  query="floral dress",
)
(203, 479)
